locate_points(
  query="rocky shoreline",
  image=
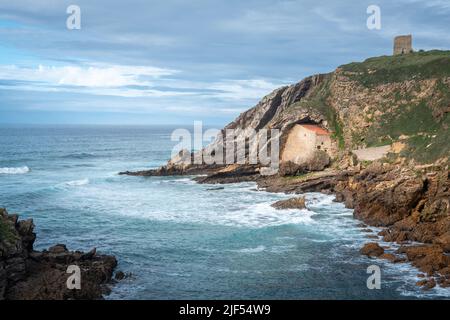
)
(26, 274)
(386, 122)
(410, 203)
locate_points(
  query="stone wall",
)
(402, 44)
(300, 145)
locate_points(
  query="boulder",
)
(388, 256)
(293, 203)
(27, 274)
(59, 248)
(429, 259)
(372, 249)
(318, 162)
(427, 284)
(120, 275)
(444, 241)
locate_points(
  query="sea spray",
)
(17, 170)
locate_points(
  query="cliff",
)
(380, 101)
(398, 103)
(393, 110)
(26, 274)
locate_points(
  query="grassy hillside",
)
(387, 99)
(389, 69)
(5, 232)
(318, 100)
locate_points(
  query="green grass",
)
(444, 90)
(391, 69)
(424, 122)
(408, 120)
(338, 133)
(432, 146)
(5, 232)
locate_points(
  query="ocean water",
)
(179, 239)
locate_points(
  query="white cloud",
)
(90, 76)
(149, 87)
(206, 109)
(443, 5)
(340, 21)
(244, 89)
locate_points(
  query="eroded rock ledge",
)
(27, 274)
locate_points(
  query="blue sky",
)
(173, 61)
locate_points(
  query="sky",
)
(176, 61)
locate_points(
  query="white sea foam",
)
(282, 249)
(77, 183)
(254, 216)
(251, 250)
(17, 170)
(320, 200)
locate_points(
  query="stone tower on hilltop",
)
(403, 44)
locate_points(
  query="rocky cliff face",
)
(402, 100)
(380, 101)
(270, 112)
(413, 205)
(28, 274)
(273, 112)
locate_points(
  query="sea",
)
(176, 239)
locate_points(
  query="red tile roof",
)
(318, 130)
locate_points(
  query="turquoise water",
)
(179, 239)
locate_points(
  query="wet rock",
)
(388, 256)
(293, 203)
(444, 241)
(89, 255)
(57, 249)
(120, 275)
(231, 174)
(25, 229)
(372, 249)
(361, 225)
(27, 274)
(428, 258)
(318, 162)
(427, 284)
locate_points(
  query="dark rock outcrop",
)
(293, 203)
(318, 162)
(274, 111)
(231, 174)
(372, 249)
(26, 274)
(174, 170)
(414, 206)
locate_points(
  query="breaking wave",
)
(76, 183)
(18, 170)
